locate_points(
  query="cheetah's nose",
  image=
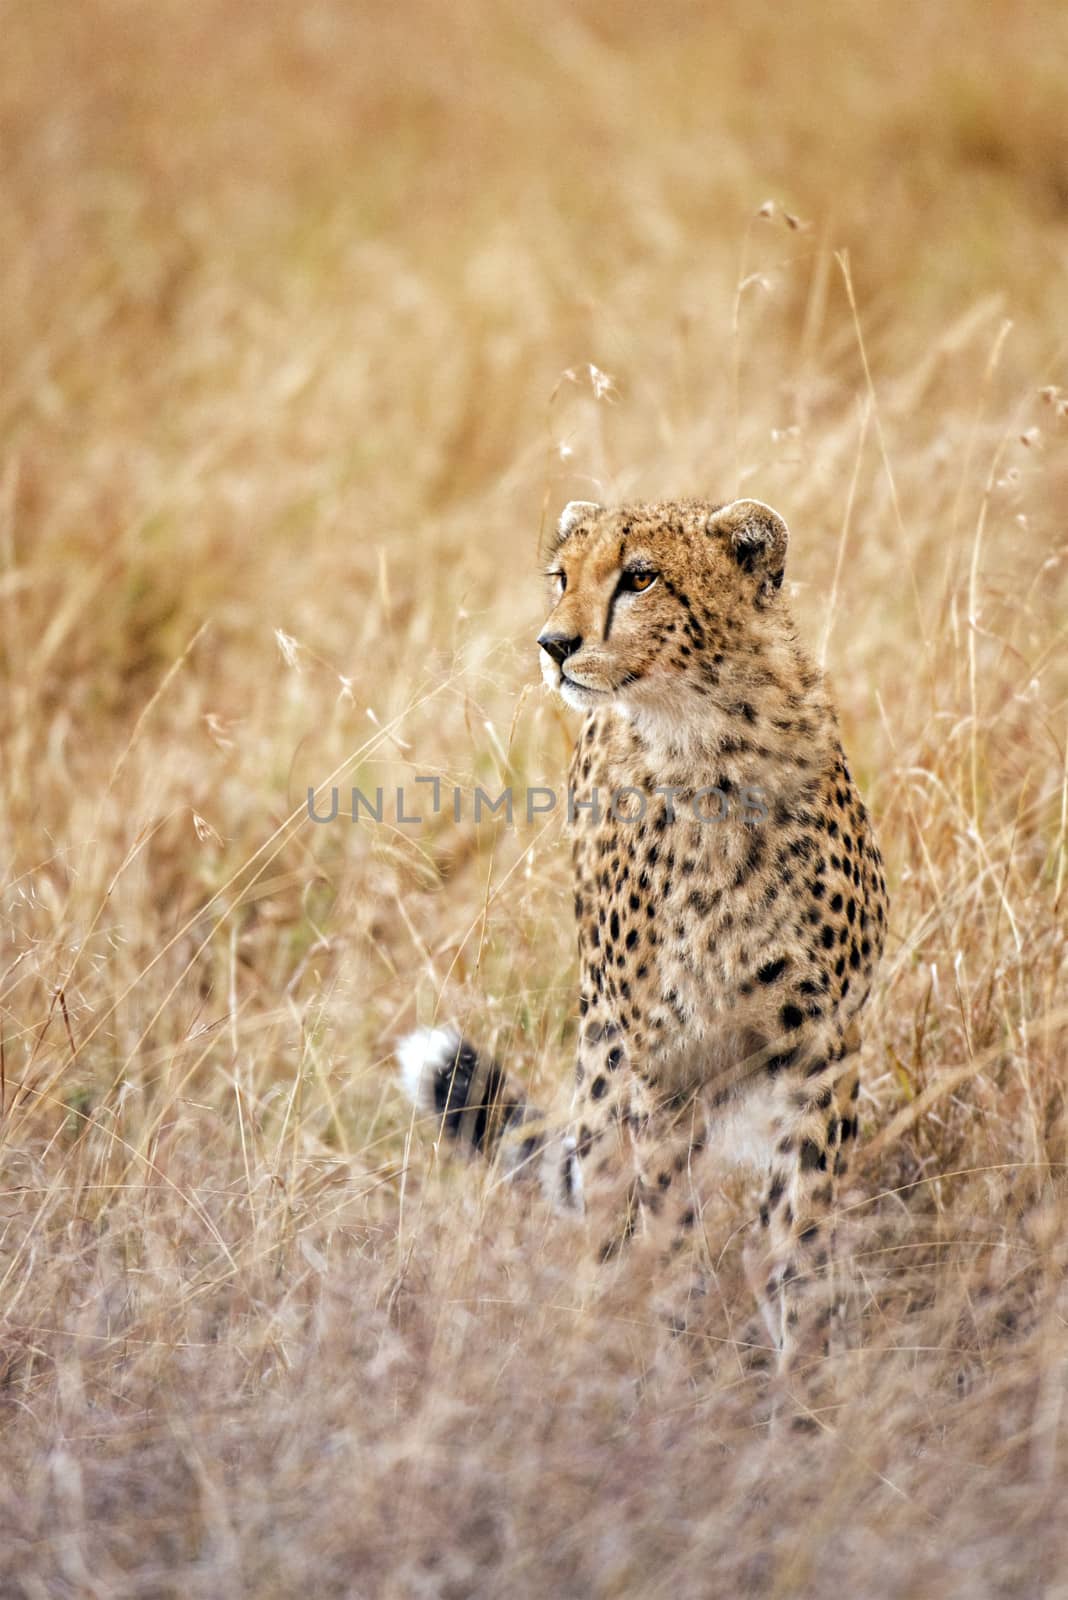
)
(560, 645)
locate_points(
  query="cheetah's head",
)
(655, 607)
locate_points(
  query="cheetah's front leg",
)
(792, 1268)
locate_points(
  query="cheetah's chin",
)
(579, 695)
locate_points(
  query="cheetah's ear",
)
(757, 537)
(574, 512)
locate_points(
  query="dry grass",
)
(288, 293)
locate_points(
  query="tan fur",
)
(723, 964)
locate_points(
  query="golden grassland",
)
(311, 316)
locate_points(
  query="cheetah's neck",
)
(773, 725)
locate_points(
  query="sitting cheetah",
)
(724, 959)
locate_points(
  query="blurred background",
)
(313, 315)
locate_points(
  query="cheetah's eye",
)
(558, 581)
(638, 580)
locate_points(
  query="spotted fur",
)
(724, 964)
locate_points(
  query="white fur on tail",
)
(423, 1056)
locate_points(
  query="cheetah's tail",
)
(445, 1077)
(472, 1100)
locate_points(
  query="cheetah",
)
(729, 897)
